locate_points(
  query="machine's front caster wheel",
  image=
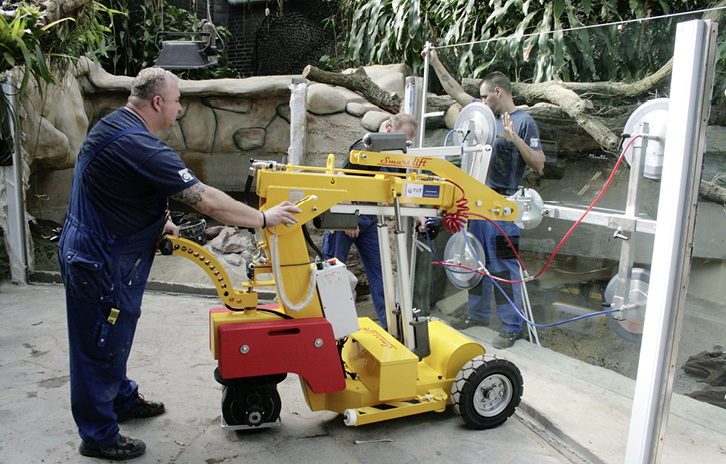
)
(486, 392)
(350, 417)
(250, 406)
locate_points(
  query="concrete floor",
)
(571, 412)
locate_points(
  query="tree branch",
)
(359, 82)
(573, 105)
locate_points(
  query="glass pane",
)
(603, 71)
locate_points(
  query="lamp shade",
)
(185, 54)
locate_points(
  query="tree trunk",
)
(359, 82)
(59, 9)
(710, 191)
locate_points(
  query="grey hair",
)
(150, 82)
(400, 120)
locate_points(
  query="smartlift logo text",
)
(411, 163)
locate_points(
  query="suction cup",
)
(530, 205)
(475, 125)
(630, 328)
(655, 113)
(458, 252)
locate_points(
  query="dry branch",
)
(573, 105)
(358, 81)
(710, 191)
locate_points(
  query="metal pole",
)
(627, 236)
(691, 87)
(424, 90)
(413, 104)
(527, 308)
(13, 176)
(403, 280)
(389, 288)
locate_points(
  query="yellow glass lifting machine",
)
(347, 364)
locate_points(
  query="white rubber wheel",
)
(350, 417)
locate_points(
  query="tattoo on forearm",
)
(446, 81)
(191, 196)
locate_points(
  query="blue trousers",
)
(337, 245)
(101, 276)
(104, 276)
(500, 262)
(100, 389)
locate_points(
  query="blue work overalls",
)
(102, 273)
(501, 263)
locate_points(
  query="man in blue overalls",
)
(517, 146)
(116, 215)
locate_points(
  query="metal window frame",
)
(691, 89)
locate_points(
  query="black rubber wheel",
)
(250, 406)
(486, 392)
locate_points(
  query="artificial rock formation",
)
(224, 123)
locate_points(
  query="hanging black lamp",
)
(188, 54)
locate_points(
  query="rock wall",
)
(223, 125)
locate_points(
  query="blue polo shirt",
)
(506, 168)
(129, 181)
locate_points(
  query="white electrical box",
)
(336, 297)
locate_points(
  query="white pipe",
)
(298, 119)
(14, 223)
(280, 287)
(424, 89)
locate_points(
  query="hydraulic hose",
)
(280, 287)
(312, 244)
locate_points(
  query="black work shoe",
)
(142, 410)
(124, 448)
(506, 339)
(467, 322)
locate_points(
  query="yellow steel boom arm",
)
(233, 299)
(323, 188)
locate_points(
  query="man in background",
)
(365, 237)
(517, 146)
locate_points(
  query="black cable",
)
(246, 194)
(248, 186)
(623, 138)
(264, 310)
(278, 313)
(346, 372)
(312, 244)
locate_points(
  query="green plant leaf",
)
(559, 7)
(586, 6)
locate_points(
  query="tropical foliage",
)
(534, 40)
(136, 44)
(41, 48)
